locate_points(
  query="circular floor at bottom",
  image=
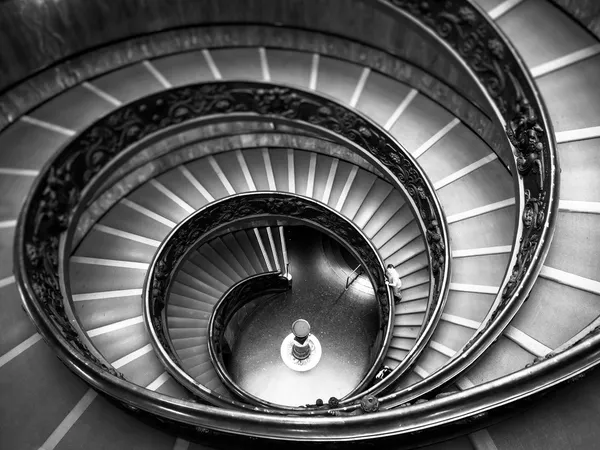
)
(345, 322)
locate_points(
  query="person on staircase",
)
(394, 281)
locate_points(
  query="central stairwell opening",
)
(346, 324)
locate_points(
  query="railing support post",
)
(288, 276)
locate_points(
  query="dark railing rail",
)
(201, 225)
(235, 298)
(353, 276)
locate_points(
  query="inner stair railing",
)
(357, 272)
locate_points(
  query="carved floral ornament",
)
(469, 33)
(57, 193)
(478, 43)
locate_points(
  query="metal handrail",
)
(314, 112)
(358, 271)
(221, 315)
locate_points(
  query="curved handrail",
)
(241, 293)
(205, 222)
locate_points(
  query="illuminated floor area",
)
(345, 322)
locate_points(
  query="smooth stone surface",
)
(345, 323)
(300, 328)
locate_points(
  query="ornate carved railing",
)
(204, 223)
(228, 305)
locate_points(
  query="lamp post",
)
(301, 347)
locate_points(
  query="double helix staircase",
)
(427, 103)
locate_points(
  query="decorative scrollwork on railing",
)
(197, 227)
(460, 25)
(42, 255)
(477, 42)
(369, 404)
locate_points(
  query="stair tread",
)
(189, 303)
(188, 279)
(396, 354)
(228, 257)
(185, 291)
(243, 239)
(211, 274)
(236, 249)
(186, 313)
(219, 262)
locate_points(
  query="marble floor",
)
(345, 322)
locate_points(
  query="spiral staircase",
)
(159, 161)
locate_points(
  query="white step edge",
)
(501, 9)
(565, 61)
